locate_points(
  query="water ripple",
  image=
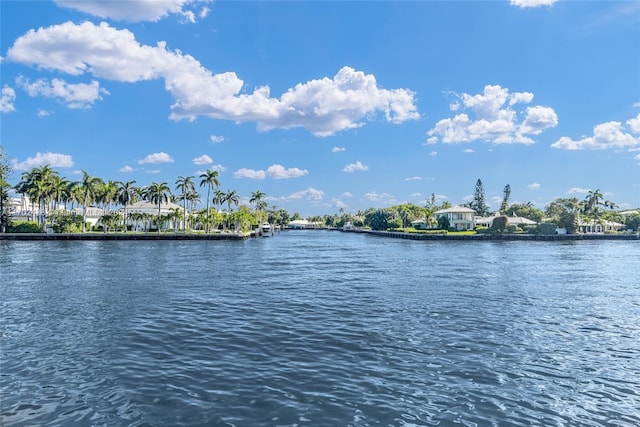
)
(318, 328)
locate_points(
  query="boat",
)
(266, 230)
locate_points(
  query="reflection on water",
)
(320, 328)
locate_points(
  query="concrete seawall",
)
(122, 236)
(489, 237)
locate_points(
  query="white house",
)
(599, 227)
(460, 217)
(151, 209)
(512, 220)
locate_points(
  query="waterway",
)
(319, 328)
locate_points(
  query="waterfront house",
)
(599, 227)
(150, 212)
(511, 220)
(460, 217)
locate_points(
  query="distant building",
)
(460, 217)
(599, 227)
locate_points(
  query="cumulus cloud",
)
(137, 10)
(249, 173)
(7, 100)
(605, 135)
(323, 106)
(492, 116)
(202, 160)
(280, 172)
(80, 95)
(310, 194)
(55, 160)
(126, 168)
(338, 149)
(578, 190)
(353, 167)
(274, 171)
(216, 139)
(339, 203)
(534, 186)
(413, 178)
(43, 113)
(346, 194)
(532, 3)
(384, 198)
(161, 157)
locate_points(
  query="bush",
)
(499, 224)
(24, 227)
(394, 223)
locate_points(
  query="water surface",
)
(322, 329)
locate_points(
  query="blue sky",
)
(328, 105)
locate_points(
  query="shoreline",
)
(122, 236)
(388, 234)
(504, 237)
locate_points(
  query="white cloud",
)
(381, 198)
(249, 173)
(55, 160)
(532, 3)
(81, 95)
(152, 171)
(339, 203)
(636, 104)
(43, 113)
(353, 167)
(493, 119)
(338, 149)
(135, 10)
(7, 100)
(469, 150)
(534, 186)
(126, 168)
(413, 178)
(280, 172)
(346, 194)
(202, 160)
(324, 106)
(433, 153)
(578, 190)
(161, 157)
(606, 135)
(310, 194)
(216, 139)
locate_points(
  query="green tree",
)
(443, 222)
(186, 186)
(231, 198)
(505, 199)
(500, 223)
(479, 203)
(210, 179)
(5, 187)
(157, 193)
(256, 197)
(89, 188)
(378, 219)
(125, 194)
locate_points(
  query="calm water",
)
(321, 329)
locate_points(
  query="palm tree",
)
(186, 186)
(125, 194)
(256, 197)
(593, 201)
(230, 197)
(89, 188)
(157, 193)
(210, 179)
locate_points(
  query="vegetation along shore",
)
(43, 203)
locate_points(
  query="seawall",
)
(122, 236)
(488, 237)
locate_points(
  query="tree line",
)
(54, 198)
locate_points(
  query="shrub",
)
(499, 224)
(394, 223)
(24, 227)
